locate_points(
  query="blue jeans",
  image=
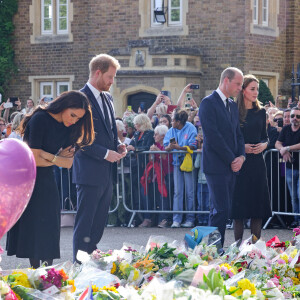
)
(183, 182)
(292, 180)
(203, 202)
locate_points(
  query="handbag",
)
(67, 217)
(187, 164)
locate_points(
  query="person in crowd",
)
(29, 107)
(51, 133)
(272, 110)
(129, 125)
(161, 100)
(165, 120)
(120, 216)
(15, 124)
(156, 181)
(2, 128)
(288, 141)
(223, 145)
(8, 115)
(248, 202)
(142, 140)
(154, 121)
(286, 116)
(182, 134)
(95, 167)
(202, 187)
(278, 120)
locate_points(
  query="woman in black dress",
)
(52, 133)
(251, 196)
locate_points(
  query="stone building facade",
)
(55, 40)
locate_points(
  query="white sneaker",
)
(187, 224)
(175, 225)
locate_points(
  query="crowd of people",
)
(225, 177)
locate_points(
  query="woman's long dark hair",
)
(169, 119)
(240, 99)
(82, 133)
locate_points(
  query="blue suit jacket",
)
(89, 166)
(222, 137)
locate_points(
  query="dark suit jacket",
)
(89, 166)
(222, 137)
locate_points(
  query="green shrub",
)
(264, 95)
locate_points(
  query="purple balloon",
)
(17, 178)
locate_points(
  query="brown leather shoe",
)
(146, 223)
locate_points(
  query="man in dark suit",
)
(223, 145)
(94, 166)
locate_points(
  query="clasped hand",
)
(255, 148)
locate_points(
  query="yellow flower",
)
(109, 288)
(95, 288)
(293, 253)
(237, 293)
(20, 279)
(123, 266)
(71, 283)
(296, 281)
(245, 284)
(285, 257)
(114, 268)
(136, 275)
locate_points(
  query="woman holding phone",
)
(52, 132)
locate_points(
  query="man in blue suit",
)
(94, 166)
(223, 145)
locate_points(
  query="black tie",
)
(227, 105)
(106, 116)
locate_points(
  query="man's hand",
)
(287, 156)
(237, 164)
(283, 150)
(114, 156)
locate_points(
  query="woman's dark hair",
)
(240, 98)
(180, 115)
(169, 120)
(82, 133)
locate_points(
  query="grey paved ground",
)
(114, 238)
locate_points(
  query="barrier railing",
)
(283, 179)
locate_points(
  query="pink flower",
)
(281, 261)
(275, 281)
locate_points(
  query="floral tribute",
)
(167, 270)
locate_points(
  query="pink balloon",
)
(17, 178)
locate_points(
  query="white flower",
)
(260, 295)
(4, 288)
(246, 294)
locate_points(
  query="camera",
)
(189, 96)
(194, 86)
(13, 100)
(8, 105)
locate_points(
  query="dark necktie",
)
(105, 111)
(227, 105)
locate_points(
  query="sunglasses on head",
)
(293, 116)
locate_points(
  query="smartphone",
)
(172, 140)
(129, 108)
(188, 96)
(48, 99)
(166, 93)
(200, 132)
(13, 100)
(8, 105)
(195, 86)
(280, 122)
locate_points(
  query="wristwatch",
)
(288, 148)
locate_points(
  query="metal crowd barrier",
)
(278, 172)
(138, 201)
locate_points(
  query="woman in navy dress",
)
(52, 133)
(251, 195)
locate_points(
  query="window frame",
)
(43, 31)
(60, 83)
(174, 23)
(265, 11)
(58, 4)
(255, 12)
(46, 83)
